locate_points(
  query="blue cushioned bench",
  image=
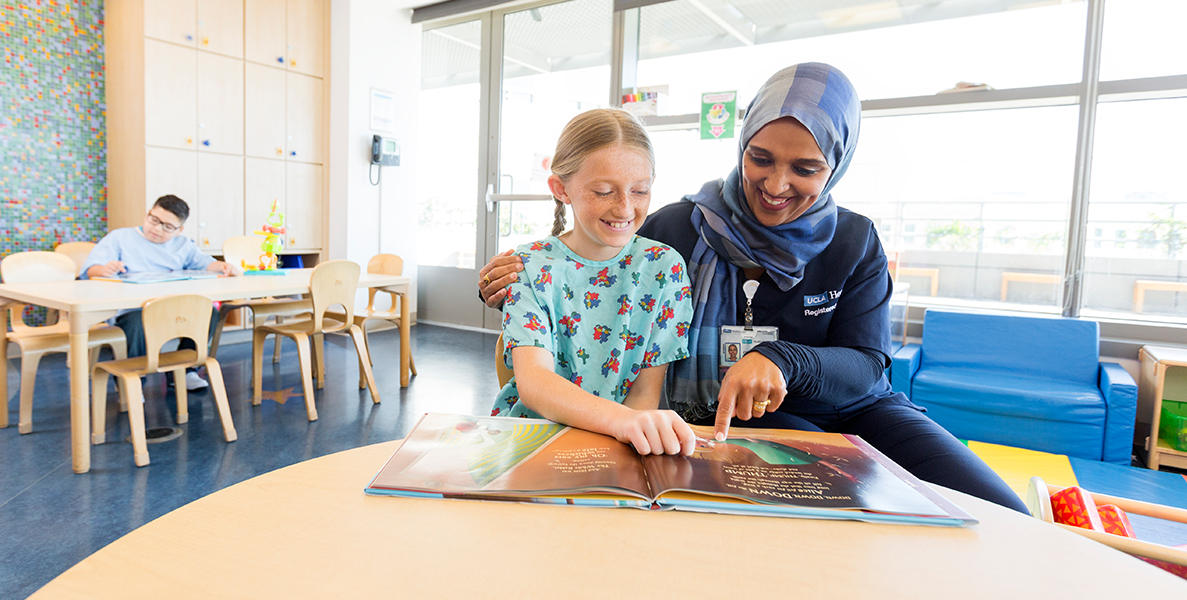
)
(1026, 381)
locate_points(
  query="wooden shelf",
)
(1152, 390)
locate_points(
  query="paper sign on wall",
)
(383, 111)
(718, 115)
(541, 167)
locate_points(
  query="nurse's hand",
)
(752, 387)
(496, 275)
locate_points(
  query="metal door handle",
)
(492, 198)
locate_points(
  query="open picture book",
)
(159, 276)
(771, 472)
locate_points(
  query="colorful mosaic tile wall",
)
(53, 152)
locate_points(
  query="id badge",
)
(737, 340)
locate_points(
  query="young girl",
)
(598, 312)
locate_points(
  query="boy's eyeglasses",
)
(167, 227)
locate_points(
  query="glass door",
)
(449, 227)
(554, 62)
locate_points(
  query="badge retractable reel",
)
(737, 341)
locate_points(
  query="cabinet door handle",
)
(206, 143)
(294, 152)
(205, 41)
(280, 59)
(292, 63)
(280, 152)
(189, 38)
(189, 141)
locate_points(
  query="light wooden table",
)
(308, 531)
(89, 302)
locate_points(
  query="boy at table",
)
(154, 246)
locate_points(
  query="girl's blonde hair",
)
(587, 133)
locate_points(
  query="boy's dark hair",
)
(175, 205)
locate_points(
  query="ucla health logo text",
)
(820, 300)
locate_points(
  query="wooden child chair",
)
(386, 264)
(167, 318)
(78, 252)
(332, 283)
(501, 369)
(1103, 519)
(36, 342)
(247, 248)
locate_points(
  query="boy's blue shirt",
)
(139, 254)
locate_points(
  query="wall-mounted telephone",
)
(385, 152)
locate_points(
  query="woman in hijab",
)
(769, 250)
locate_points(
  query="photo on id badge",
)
(737, 340)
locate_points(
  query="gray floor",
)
(52, 518)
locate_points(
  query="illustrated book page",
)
(755, 472)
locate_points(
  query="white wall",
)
(373, 44)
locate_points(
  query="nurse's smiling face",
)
(783, 172)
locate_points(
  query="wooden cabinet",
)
(220, 200)
(264, 26)
(212, 25)
(220, 27)
(286, 33)
(171, 100)
(306, 40)
(172, 21)
(303, 118)
(264, 113)
(1163, 369)
(214, 118)
(264, 182)
(296, 188)
(303, 206)
(220, 104)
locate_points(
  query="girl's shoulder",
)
(547, 248)
(646, 260)
(652, 251)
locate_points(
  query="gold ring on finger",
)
(486, 280)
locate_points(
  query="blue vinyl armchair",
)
(1025, 381)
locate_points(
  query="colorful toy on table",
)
(272, 229)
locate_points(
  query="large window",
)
(549, 76)
(449, 113)
(969, 205)
(888, 49)
(997, 175)
(972, 192)
(1136, 251)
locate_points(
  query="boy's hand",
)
(221, 268)
(107, 270)
(655, 432)
(496, 275)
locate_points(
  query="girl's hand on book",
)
(655, 432)
(752, 387)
